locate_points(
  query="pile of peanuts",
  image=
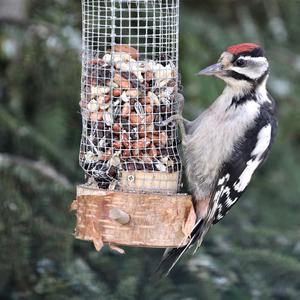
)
(124, 103)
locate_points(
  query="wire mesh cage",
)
(129, 153)
(129, 88)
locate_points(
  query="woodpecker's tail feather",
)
(169, 260)
(172, 255)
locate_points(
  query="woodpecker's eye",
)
(240, 62)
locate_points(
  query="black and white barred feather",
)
(248, 156)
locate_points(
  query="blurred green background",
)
(253, 254)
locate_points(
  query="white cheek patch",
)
(263, 142)
(237, 85)
(256, 67)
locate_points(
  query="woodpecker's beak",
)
(211, 70)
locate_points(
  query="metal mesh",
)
(129, 86)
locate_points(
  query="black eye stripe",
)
(239, 76)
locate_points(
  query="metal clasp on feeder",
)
(131, 178)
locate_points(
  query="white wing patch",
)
(263, 142)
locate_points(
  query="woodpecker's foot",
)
(179, 102)
(174, 118)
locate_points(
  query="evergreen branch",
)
(15, 125)
(41, 167)
(282, 265)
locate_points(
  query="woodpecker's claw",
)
(166, 123)
(173, 119)
(161, 124)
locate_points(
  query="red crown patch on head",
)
(245, 47)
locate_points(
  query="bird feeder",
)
(132, 164)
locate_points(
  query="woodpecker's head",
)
(241, 66)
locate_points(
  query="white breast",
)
(211, 142)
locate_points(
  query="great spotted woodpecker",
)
(227, 142)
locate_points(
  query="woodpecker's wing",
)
(236, 174)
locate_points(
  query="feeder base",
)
(131, 219)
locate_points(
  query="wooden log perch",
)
(132, 219)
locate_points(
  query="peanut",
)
(96, 116)
(106, 156)
(152, 151)
(116, 92)
(148, 109)
(125, 153)
(121, 82)
(135, 119)
(160, 139)
(149, 119)
(127, 49)
(142, 131)
(116, 128)
(125, 110)
(132, 93)
(117, 144)
(141, 143)
(125, 140)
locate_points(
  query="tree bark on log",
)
(132, 219)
